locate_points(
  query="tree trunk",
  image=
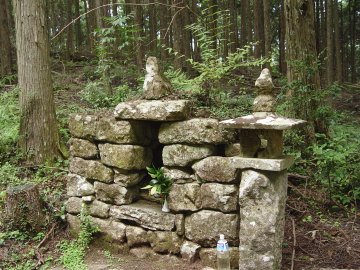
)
(24, 209)
(38, 126)
(186, 38)
(78, 32)
(69, 39)
(301, 48)
(338, 46)
(353, 38)
(5, 44)
(213, 8)
(152, 30)
(234, 37)
(267, 31)
(177, 35)
(140, 53)
(282, 61)
(245, 6)
(329, 43)
(257, 28)
(164, 36)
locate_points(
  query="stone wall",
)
(110, 154)
(108, 168)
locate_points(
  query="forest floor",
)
(314, 238)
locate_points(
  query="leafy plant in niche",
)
(159, 185)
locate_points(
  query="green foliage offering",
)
(9, 121)
(160, 184)
(73, 252)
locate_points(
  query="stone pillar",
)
(262, 198)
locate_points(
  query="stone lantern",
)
(263, 187)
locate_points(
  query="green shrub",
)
(9, 121)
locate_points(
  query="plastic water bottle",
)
(223, 254)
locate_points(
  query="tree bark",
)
(213, 8)
(78, 32)
(177, 35)
(38, 126)
(152, 30)
(24, 209)
(140, 52)
(301, 48)
(329, 43)
(164, 37)
(234, 36)
(267, 31)
(70, 36)
(282, 28)
(245, 6)
(257, 28)
(5, 44)
(338, 46)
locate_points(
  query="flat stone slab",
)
(148, 215)
(153, 110)
(262, 121)
(276, 165)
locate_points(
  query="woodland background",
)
(63, 56)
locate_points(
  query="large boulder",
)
(83, 126)
(136, 236)
(114, 193)
(219, 197)
(179, 175)
(91, 169)
(153, 110)
(83, 148)
(165, 242)
(113, 231)
(184, 197)
(216, 169)
(204, 227)
(147, 215)
(127, 157)
(184, 155)
(124, 132)
(128, 179)
(195, 131)
(77, 185)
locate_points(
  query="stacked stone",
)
(108, 161)
(109, 157)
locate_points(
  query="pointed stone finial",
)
(155, 84)
(265, 101)
(264, 82)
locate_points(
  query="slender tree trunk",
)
(193, 17)
(164, 40)
(234, 36)
(186, 38)
(329, 43)
(257, 27)
(78, 32)
(338, 39)
(301, 47)
(353, 38)
(70, 36)
(177, 35)
(152, 29)
(5, 44)
(245, 6)
(140, 52)
(213, 8)
(226, 22)
(267, 30)
(282, 27)
(38, 127)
